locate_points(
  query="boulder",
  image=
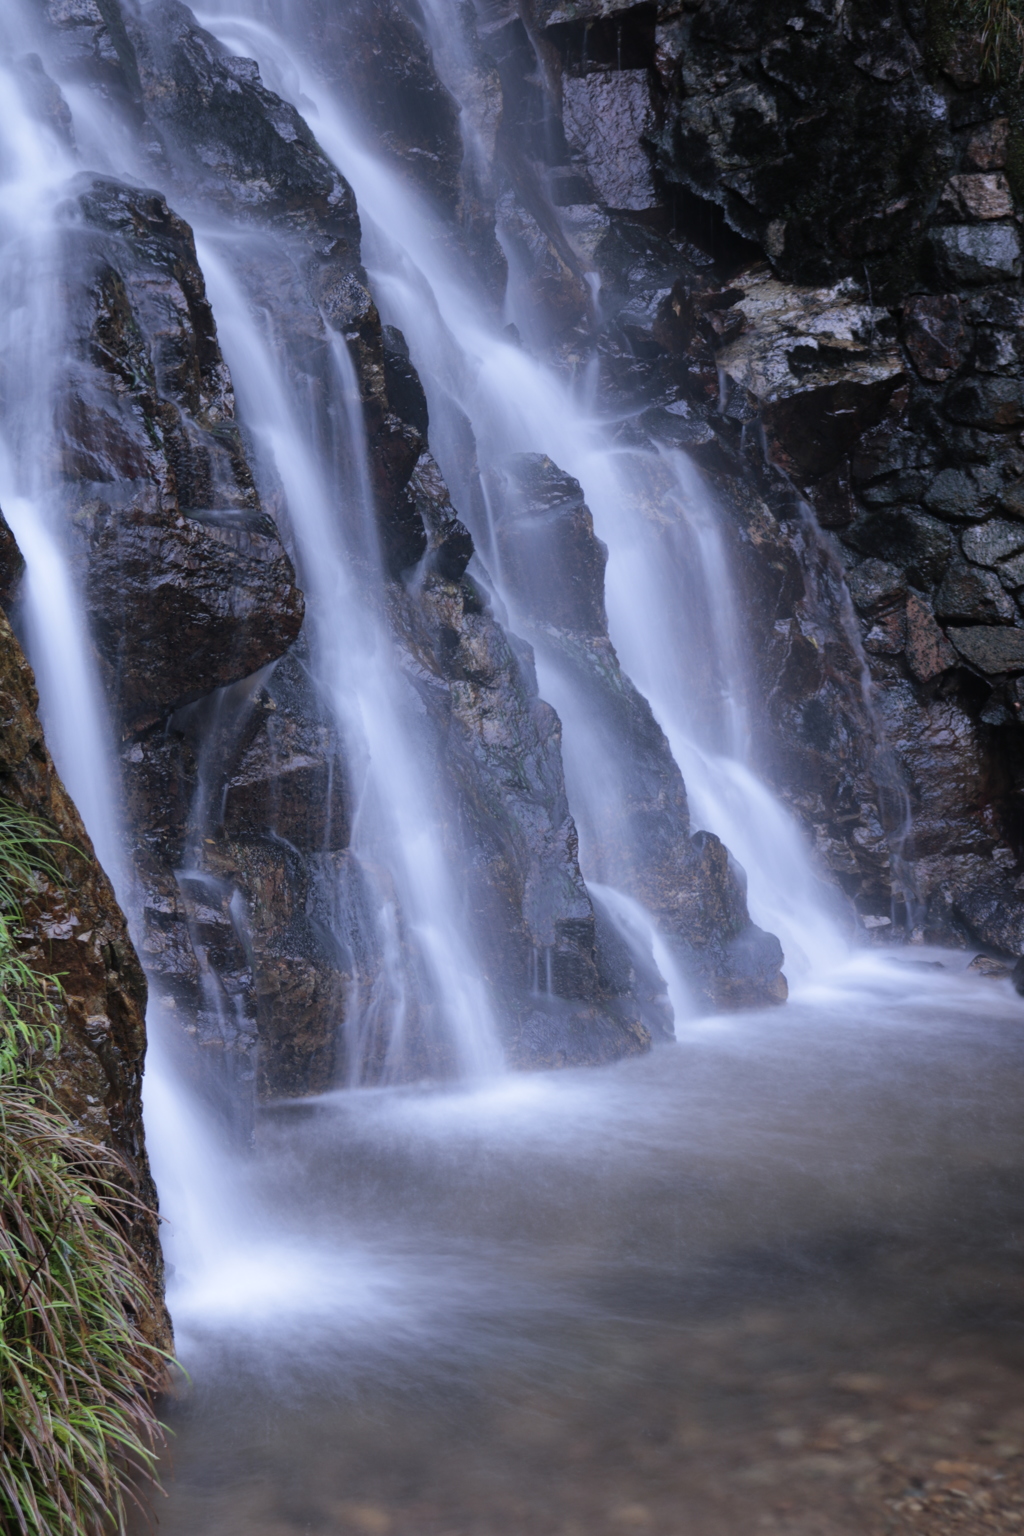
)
(994, 404)
(934, 335)
(976, 196)
(971, 253)
(993, 541)
(922, 545)
(972, 596)
(607, 117)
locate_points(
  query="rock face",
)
(686, 882)
(240, 792)
(187, 584)
(76, 930)
(808, 250)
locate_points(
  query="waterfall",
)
(668, 584)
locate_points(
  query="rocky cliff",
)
(240, 791)
(805, 223)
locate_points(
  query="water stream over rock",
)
(453, 686)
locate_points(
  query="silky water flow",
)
(763, 1278)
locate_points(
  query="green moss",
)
(77, 1378)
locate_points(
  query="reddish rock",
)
(927, 650)
(934, 335)
(986, 150)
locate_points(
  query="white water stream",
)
(412, 1236)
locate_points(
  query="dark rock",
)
(237, 144)
(810, 433)
(12, 563)
(188, 586)
(182, 609)
(992, 914)
(289, 781)
(969, 253)
(873, 581)
(934, 335)
(402, 382)
(606, 118)
(920, 544)
(963, 493)
(973, 596)
(1017, 977)
(449, 541)
(993, 541)
(992, 651)
(550, 555)
(995, 404)
(1012, 499)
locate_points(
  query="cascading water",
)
(525, 1266)
(668, 588)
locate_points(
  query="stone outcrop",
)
(806, 229)
(73, 928)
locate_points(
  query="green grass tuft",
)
(78, 1434)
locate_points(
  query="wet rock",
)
(873, 581)
(74, 928)
(922, 545)
(231, 140)
(607, 118)
(687, 885)
(992, 541)
(963, 493)
(289, 782)
(992, 651)
(968, 253)
(992, 915)
(973, 596)
(12, 563)
(987, 965)
(187, 584)
(994, 404)
(934, 335)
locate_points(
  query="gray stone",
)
(972, 253)
(990, 650)
(874, 581)
(1011, 573)
(965, 493)
(606, 118)
(994, 541)
(972, 595)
